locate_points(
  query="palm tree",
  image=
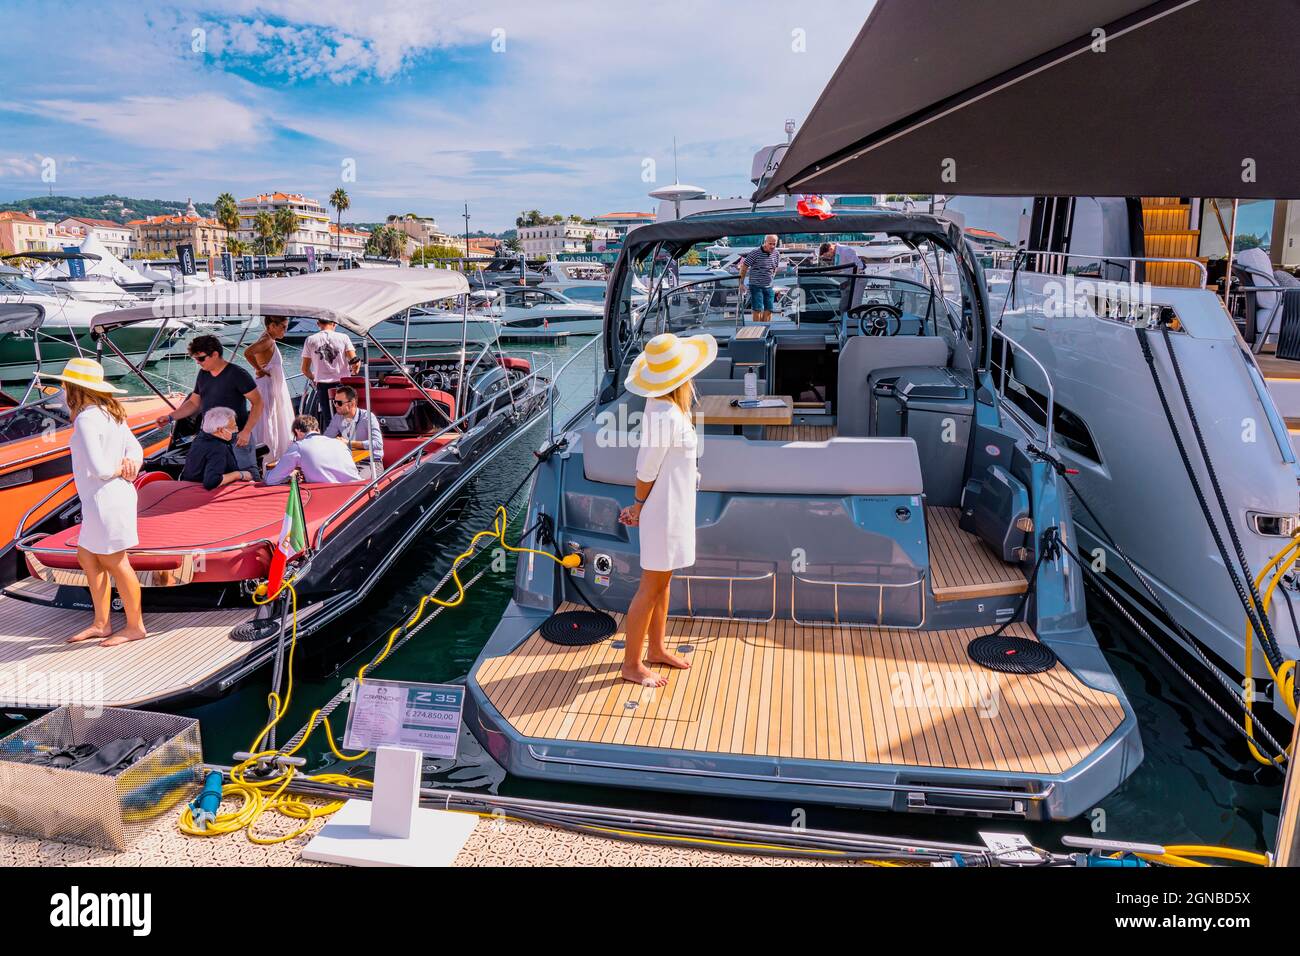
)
(340, 201)
(286, 224)
(235, 246)
(264, 226)
(228, 212)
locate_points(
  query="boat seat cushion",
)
(862, 355)
(731, 463)
(234, 525)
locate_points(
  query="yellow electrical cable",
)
(1284, 677)
(254, 800)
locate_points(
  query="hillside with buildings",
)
(119, 209)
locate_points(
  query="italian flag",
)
(292, 540)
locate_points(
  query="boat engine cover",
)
(992, 508)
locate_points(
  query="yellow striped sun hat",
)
(87, 373)
(668, 361)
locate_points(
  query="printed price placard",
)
(423, 717)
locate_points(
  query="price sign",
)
(423, 717)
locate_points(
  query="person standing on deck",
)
(327, 358)
(273, 426)
(760, 266)
(106, 457)
(666, 482)
(842, 255)
(221, 384)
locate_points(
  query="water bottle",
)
(751, 384)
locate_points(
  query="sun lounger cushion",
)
(730, 463)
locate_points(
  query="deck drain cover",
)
(577, 628)
(1011, 655)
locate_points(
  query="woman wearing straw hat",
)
(666, 481)
(106, 457)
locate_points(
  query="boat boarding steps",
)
(871, 696)
(39, 670)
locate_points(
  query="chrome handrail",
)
(416, 452)
(18, 531)
(731, 580)
(555, 379)
(1051, 390)
(1131, 260)
(28, 544)
(835, 591)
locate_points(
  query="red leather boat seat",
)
(232, 526)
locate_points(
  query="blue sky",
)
(561, 105)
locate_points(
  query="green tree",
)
(340, 201)
(435, 252)
(387, 242)
(235, 246)
(228, 212)
(268, 235)
(512, 243)
(286, 224)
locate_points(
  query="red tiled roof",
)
(276, 197)
(175, 220)
(985, 233)
(626, 215)
(107, 223)
(15, 216)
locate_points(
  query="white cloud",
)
(202, 121)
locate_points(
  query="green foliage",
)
(268, 242)
(227, 212)
(434, 252)
(54, 208)
(387, 242)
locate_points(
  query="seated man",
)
(211, 458)
(317, 457)
(356, 427)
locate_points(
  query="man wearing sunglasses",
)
(355, 426)
(220, 384)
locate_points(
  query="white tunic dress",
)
(108, 502)
(273, 426)
(667, 456)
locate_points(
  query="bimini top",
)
(20, 317)
(1021, 97)
(357, 299)
(682, 233)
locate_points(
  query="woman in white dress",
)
(106, 457)
(272, 428)
(666, 482)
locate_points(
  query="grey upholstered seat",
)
(862, 355)
(729, 463)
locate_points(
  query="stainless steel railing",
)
(1007, 341)
(1043, 255)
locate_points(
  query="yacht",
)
(203, 555)
(884, 611)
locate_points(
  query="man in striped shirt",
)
(760, 266)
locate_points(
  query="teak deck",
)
(865, 695)
(798, 432)
(38, 666)
(962, 566)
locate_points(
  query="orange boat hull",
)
(32, 470)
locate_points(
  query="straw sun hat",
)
(88, 374)
(668, 361)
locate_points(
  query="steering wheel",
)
(876, 318)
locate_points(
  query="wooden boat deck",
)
(962, 566)
(38, 666)
(776, 689)
(1274, 367)
(798, 432)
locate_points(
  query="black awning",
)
(1025, 97)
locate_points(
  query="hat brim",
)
(707, 350)
(102, 388)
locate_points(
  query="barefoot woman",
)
(105, 460)
(666, 480)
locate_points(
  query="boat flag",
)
(291, 542)
(817, 207)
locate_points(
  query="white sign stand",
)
(390, 829)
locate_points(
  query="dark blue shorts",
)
(761, 298)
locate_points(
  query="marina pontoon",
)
(202, 554)
(882, 612)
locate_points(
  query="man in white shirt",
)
(356, 427)
(317, 457)
(327, 358)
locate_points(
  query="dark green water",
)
(1197, 783)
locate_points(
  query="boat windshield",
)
(11, 284)
(33, 419)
